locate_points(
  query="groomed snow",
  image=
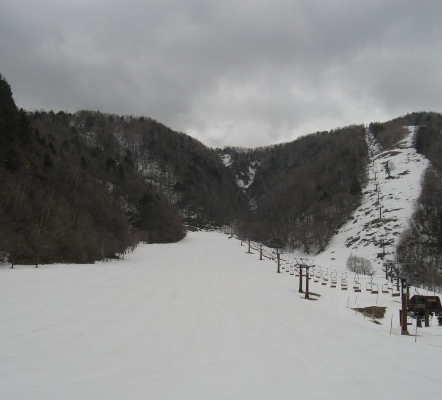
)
(200, 319)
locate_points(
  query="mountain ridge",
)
(155, 179)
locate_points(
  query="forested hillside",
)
(189, 174)
(87, 186)
(54, 200)
(421, 243)
(304, 190)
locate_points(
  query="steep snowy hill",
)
(393, 186)
(200, 319)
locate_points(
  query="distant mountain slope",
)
(189, 174)
(421, 244)
(393, 186)
(302, 191)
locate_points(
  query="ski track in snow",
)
(200, 319)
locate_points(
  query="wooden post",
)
(260, 251)
(300, 280)
(306, 283)
(404, 328)
(278, 259)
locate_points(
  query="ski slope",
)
(386, 208)
(201, 319)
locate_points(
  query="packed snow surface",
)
(201, 319)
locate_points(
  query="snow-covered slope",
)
(200, 319)
(386, 208)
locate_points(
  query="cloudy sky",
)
(244, 72)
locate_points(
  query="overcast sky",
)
(244, 72)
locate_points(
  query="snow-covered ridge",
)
(393, 186)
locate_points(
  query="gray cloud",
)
(246, 73)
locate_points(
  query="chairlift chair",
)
(369, 286)
(317, 276)
(374, 288)
(292, 270)
(324, 277)
(356, 284)
(344, 284)
(334, 280)
(385, 288)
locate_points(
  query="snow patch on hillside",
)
(244, 176)
(226, 159)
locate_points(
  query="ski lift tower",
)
(305, 263)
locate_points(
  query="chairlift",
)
(317, 276)
(344, 283)
(292, 270)
(385, 288)
(395, 291)
(374, 288)
(333, 277)
(324, 277)
(356, 284)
